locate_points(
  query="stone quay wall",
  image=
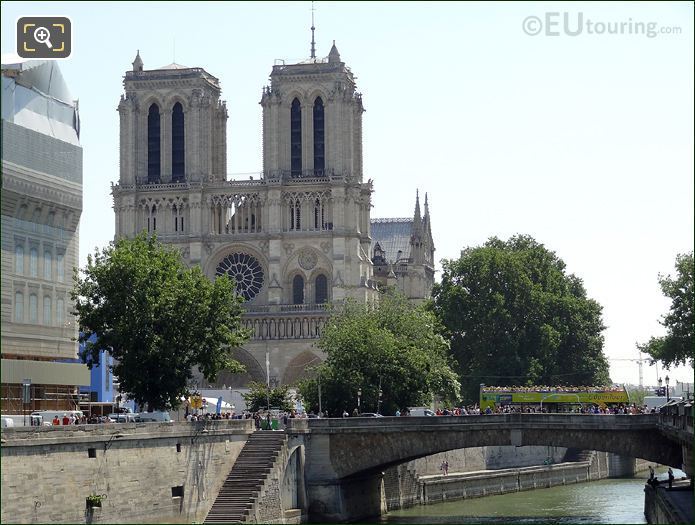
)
(486, 483)
(145, 472)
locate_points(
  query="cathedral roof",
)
(393, 235)
(174, 65)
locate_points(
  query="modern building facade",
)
(296, 238)
(41, 207)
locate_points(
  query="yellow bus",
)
(555, 399)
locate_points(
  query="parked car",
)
(369, 414)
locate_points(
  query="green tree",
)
(677, 347)
(157, 318)
(514, 317)
(391, 344)
(259, 395)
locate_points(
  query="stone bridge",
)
(345, 458)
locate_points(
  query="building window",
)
(318, 215)
(60, 312)
(60, 267)
(47, 265)
(321, 289)
(47, 317)
(34, 262)
(319, 155)
(296, 138)
(298, 290)
(33, 308)
(295, 215)
(18, 307)
(177, 144)
(153, 145)
(19, 260)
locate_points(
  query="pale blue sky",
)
(585, 142)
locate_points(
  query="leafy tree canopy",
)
(259, 396)
(677, 347)
(514, 317)
(157, 318)
(393, 345)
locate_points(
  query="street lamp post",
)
(668, 395)
(378, 406)
(320, 407)
(659, 381)
(359, 400)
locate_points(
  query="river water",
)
(604, 501)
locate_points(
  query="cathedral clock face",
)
(246, 271)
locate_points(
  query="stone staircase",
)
(242, 487)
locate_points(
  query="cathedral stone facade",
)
(296, 238)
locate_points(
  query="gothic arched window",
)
(153, 145)
(177, 144)
(321, 289)
(296, 138)
(317, 215)
(298, 290)
(319, 154)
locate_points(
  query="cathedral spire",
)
(313, 43)
(333, 55)
(417, 217)
(137, 63)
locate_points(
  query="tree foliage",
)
(391, 344)
(259, 396)
(514, 317)
(677, 347)
(157, 318)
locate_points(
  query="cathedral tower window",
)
(153, 145)
(318, 215)
(319, 154)
(298, 290)
(295, 214)
(321, 289)
(296, 138)
(177, 144)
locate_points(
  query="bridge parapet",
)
(487, 422)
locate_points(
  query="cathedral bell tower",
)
(173, 126)
(312, 119)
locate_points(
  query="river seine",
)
(604, 501)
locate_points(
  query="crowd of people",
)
(552, 389)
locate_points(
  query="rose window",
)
(246, 271)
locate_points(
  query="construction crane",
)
(639, 362)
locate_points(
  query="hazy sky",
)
(584, 142)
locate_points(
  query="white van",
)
(48, 415)
(420, 411)
(156, 416)
(122, 418)
(20, 420)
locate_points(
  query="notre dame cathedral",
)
(296, 238)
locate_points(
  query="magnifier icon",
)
(42, 36)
